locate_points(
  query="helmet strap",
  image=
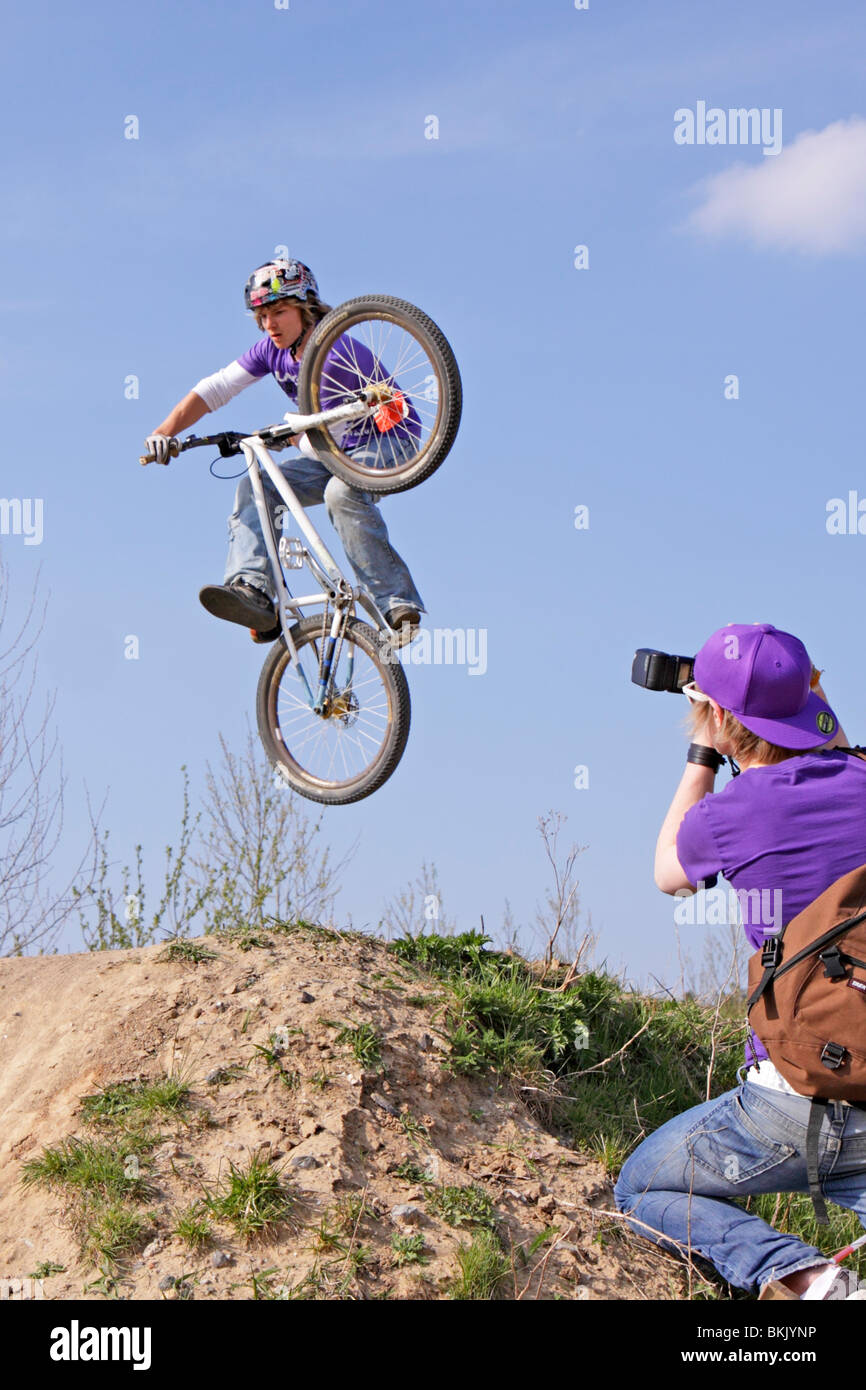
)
(293, 347)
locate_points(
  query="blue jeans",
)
(354, 515)
(682, 1181)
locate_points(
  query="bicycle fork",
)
(327, 660)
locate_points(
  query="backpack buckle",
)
(771, 952)
(833, 1055)
(832, 960)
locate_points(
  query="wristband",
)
(704, 757)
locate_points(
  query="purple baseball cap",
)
(763, 677)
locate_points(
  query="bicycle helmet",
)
(279, 280)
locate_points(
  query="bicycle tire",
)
(418, 465)
(333, 792)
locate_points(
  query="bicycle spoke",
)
(339, 748)
(400, 362)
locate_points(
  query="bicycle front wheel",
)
(377, 340)
(352, 746)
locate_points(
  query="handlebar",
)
(279, 436)
(228, 441)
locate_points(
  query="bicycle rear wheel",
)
(349, 750)
(379, 340)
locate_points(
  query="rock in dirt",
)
(407, 1215)
(378, 1099)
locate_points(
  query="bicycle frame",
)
(320, 562)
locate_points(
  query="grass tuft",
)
(190, 952)
(193, 1227)
(253, 1199)
(484, 1268)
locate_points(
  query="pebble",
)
(406, 1215)
(304, 1161)
(168, 1281)
(220, 1258)
(382, 1103)
(305, 997)
(152, 1249)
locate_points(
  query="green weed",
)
(364, 1042)
(253, 1199)
(46, 1269)
(462, 1206)
(90, 1167)
(408, 1250)
(484, 1268)
(136, 1101)
(193, 1227)
(191, 952)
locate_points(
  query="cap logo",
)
(825, 721)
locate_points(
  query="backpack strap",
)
(771, 956)
(817, 1110)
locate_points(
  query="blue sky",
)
(604, 387)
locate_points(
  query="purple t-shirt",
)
(348, 367)
(780, 835)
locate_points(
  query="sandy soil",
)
(72, 1025)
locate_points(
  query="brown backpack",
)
(807, 1004)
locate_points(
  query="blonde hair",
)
(744, 745)
(312, 310)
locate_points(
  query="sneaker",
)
(833, 1283)
(270, 636)
(239, 602)
(405, 619)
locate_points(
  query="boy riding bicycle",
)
(284, 298)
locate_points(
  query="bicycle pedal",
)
(404, 634)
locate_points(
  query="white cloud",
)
(810, 198)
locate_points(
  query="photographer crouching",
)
(792, 827)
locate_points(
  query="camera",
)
(661, 671)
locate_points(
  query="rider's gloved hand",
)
(160, 446)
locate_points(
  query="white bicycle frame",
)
(315, 554)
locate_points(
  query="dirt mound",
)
(322, 1054)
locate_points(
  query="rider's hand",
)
(160, 446)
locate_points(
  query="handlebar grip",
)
(174, 450)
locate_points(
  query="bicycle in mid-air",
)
(333, 704)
